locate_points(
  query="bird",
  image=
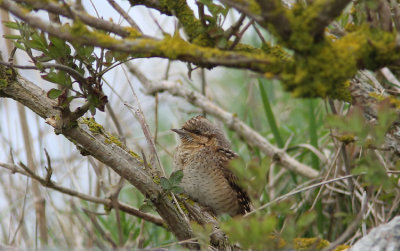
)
(203, 155)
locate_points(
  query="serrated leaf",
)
(176, 177)
(54, 93)
(165, 184)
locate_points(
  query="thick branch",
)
(252, 137)
(154, 4)
(272, 13)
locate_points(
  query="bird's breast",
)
(204, 182)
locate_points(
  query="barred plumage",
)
(204, 155)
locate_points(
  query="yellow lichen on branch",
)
(326, 68)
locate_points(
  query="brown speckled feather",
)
(204, 155)
(242, 196)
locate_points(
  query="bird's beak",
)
(180, 132)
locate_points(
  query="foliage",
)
(172, 184)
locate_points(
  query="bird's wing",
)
(233, 181)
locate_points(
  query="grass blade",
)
(270, 116)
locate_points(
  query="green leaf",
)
(177, 189)
(19, 46)
(83, 51)
(270, 115)
(176, 177)
(12, 36)
(312, 103)
(54, 93)
(215, 9)
(252, 232)
(88, 50)
(165, 184)
(120, 56)
(109, 57)
(38, 42)
(306, 219)
(12, 25)
(146, 207)
(58, 77)
(59, 48)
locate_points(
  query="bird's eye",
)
(196, 132)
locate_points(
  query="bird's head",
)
(199, 131)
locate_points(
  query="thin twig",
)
(301, 190)
(200, 8)
(105, 235)
(78, 13)
(353, 226)
(107, 202)
(260, 35)
(138, 112)
(125, 15)
(85, 225)
(75, 74)
(114, 201)
(156, 118)
(234, 29)
(240, 35)
(203, 86)
(326, 177)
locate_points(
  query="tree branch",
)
(170, 47)
(124, 14)
(70, 12)
(265, 12)
(275, 13)
(180, 8)
(107, 202)
(154, 4)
